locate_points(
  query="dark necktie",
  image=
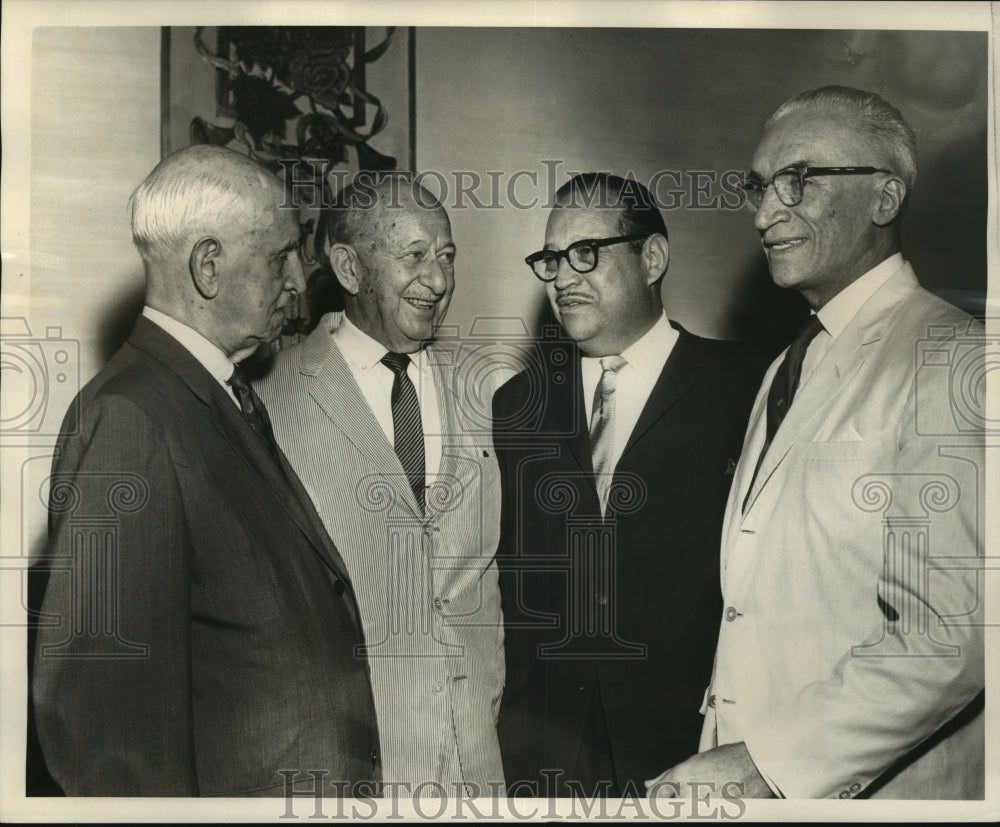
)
(784, 385)
(602, 426)
(408, 432)
(254, 411)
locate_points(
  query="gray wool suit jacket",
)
(201, 631)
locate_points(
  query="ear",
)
(346, 267)
(890, 202)
(204, 265)
(655, 257)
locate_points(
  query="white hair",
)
(197, 191)
(881, 123)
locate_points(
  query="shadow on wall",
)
(118, 319)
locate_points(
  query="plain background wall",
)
(95, 133)
(687, 100)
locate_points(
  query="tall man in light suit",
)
(206, 630)
(850, 656)
(376, 424)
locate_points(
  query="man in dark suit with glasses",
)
(616, 456)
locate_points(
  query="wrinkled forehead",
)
(568, 223)
(822, 138)
(400, 221)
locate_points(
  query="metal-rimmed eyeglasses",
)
(788, 183)
(581, 255)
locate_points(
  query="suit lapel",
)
(678, 376)
(229, 423)
(233, 429)
(568, 410)
(333, 388)
(839, 366)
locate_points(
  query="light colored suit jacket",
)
(850, 656)
(426, 583)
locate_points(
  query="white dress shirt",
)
(836, 313)
(211, 357)
(646, 358)
(364, 359)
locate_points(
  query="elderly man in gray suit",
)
(373, 419)
(202, 633)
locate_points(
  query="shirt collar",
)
(838, 312)
(211, 357)
(646, 353)
(362, 351)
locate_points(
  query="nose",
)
(770, 212)
(566, 276)
(294, 276)
(435, 276)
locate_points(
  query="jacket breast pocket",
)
(846, 450)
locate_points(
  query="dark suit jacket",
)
(628, 606)
(203, 627)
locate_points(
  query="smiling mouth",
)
(785, 244)
(420, 304)
(572, 301)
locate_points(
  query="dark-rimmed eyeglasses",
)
(788, 183)
(581, 255)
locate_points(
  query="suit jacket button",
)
(731, 614)
(855, 787)
(602, 600)
(711, 701)
(583, 687)
(338, 586)
(845, 794)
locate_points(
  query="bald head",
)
(364, 210)
(390, 248)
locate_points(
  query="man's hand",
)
(707, 772)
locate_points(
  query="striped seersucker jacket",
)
(426, 583)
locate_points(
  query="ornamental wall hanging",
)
(314, 104)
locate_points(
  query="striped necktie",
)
(602, 426)
(408, 432)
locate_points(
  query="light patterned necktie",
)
(602, 426)
(408, 432)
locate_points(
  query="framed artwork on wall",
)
(314, 104)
